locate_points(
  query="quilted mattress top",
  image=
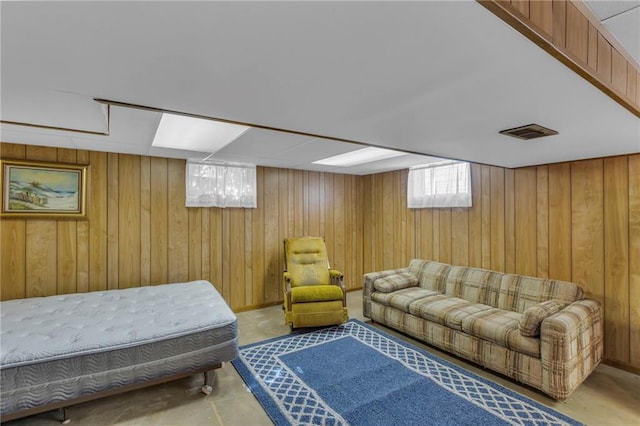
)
(46, 328)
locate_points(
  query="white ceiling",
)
(433, 78)
(622, 19)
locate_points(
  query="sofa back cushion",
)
(431, 275)
(518, 293)
(474, 284)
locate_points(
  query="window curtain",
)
(441, 184)
(220, 185)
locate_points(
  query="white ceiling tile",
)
(606, 9)
(626, 28)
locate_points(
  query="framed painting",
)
(39, 190)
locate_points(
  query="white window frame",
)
(217, 184)
(440, 184)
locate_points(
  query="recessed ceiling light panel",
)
(360, 156)
(195, 134)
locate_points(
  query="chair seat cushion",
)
(315, 293)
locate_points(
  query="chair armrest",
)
(367, 287)
(571, 346)
(337, 278)
(286, 288)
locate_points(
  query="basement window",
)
(212, 184)
(441, 184)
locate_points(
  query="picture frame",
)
(32, 189)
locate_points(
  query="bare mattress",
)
(61, 348)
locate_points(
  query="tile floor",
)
(608, 397)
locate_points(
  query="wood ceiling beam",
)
(563, 29)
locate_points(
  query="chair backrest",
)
(306, 260)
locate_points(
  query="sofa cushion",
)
(474, 284)
(401, 299)
(431, 275)
(532, 318)
(501, 327)
(518, 293)
(446, 310)
(395, 282)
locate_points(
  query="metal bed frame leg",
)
(63, 414)
(209, 379)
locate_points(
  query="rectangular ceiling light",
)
(360, 156)
(195, 134)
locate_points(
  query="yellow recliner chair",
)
(314, 294)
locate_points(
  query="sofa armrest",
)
(571, 346)
(367, 287)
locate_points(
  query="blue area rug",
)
(355, 374)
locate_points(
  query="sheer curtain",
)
(220, 184)
(441, 184)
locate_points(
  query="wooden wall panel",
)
(178, 223)
(258, 242)
(485, 199)
(560, 221)
(604, 59)
(541, 14)
(145, 221)
(82, 242)
(112, 221)
(577, 33)
(616, 258)
(577, 221)
(587, 227)
(128, 221)
(195, 243)
(542, 222)
(509, 221)
(97, 218)
(67, 254)
(634, 264)
(497, 202)
(12, 240)
(592, 48)
(632, 81)
(618, 72)
(475, 218)
(568, 221)
(138, 230)
(159, 221)
(41, 241)
(559, 22)
(459, 236)
(526, 230)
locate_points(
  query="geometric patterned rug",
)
(355, 374)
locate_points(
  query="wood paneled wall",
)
(139, 232)
(569, 31)
(577, 221)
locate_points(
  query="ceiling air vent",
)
(530, 131)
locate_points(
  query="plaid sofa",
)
(540, 332)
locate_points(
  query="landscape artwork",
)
(34, 189)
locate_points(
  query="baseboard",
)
(621, 366)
